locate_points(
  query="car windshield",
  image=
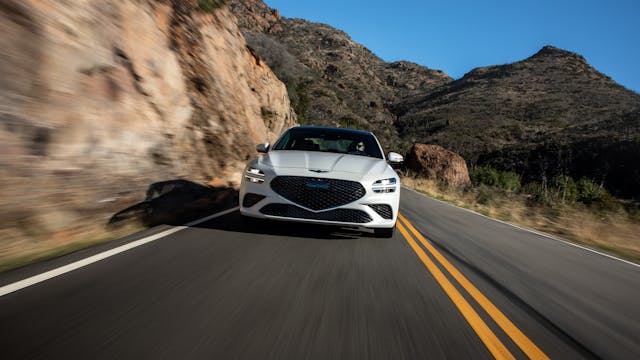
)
(330, 140)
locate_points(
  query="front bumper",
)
(275, 207)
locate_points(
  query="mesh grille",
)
(251, 199)
(382, 210)
(316, 193)
(338, 215)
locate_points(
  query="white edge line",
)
(537, 232)
(18, 285)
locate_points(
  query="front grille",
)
(251, 199)
(317, 193)
(338, 215)
(383, 210)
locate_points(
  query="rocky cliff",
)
(99, 99)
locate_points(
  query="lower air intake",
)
(251, 199)
(337, 215)
(383, 210)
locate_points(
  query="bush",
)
(590, 193)
(277, 56)
(538, 193)
(286, 67)
(509, 181)
(566, 190)
(486, 175)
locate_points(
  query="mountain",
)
(543, 116)
(547, 115)
(331, 79)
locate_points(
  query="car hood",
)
(323, 163)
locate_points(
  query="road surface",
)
(450, 284)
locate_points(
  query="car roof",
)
(309, 127)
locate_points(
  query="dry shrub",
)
(613, 230)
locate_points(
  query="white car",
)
(323, 175)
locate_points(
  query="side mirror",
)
(394, 158)
(262, 148)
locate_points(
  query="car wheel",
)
(384, 232)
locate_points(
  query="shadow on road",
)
(175, 202)
(233, 222)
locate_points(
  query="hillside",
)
(331, 79)
(546, 115)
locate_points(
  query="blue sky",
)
(457, 36)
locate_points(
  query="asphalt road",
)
(471, 288)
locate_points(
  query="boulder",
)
(437, 163)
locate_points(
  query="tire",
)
(384, 232)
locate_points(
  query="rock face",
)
(256, 15)
(437, 163)
(99, 99)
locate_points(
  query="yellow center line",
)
(524, 343)
(490, 340)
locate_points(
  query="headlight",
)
(254, 175)
(385, 185)
(389, 181)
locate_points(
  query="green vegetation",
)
(566, 189)
(211, 5)
(581, 211)
(562, 189)
(590, 193)
(505, 180)
(299, 98)
(296, 77)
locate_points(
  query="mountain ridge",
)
(547, 115)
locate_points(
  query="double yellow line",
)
(490, 340)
